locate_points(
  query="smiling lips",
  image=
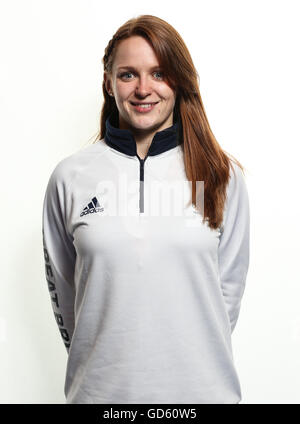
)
(143, 103)
(143, 107)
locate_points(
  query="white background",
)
(247, 57)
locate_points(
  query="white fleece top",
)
(145, 299)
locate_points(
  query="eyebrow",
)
(132, 68)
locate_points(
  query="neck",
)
(142, 145)
(149, 144)
(144, 138)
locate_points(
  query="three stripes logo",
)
(92, 207)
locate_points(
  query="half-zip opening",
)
(123, 141)
(142, 182)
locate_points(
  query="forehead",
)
(136, 52)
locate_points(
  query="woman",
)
(146, 297)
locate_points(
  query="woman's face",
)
(136, 77)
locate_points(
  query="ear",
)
(107, 82)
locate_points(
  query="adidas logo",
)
(92, 207)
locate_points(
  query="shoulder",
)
(236, 172)
(236, 191)
(237, 200)
(237, 179)
(67, 168)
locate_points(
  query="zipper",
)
(142, 175)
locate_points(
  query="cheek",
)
(123, 91)
(167, 95)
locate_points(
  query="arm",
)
(234, 245)
(59, 255)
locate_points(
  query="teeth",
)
(145, 106)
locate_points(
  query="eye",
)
(159, 72)
(125, 73)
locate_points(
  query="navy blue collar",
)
(123, 139)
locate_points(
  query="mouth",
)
(143, 103)
(143, 107)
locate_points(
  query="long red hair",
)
(204, 159)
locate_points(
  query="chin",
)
(149, 125)
(144, 121)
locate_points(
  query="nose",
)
(143, 86)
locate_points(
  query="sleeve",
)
(233, 252)
(59, 255)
